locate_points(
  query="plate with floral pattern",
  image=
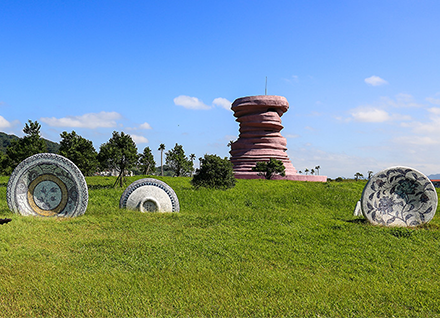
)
(399, 196)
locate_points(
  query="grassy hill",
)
(5, 141)
(263, 248)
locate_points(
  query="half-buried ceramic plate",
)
(399, 196)
(47, 184)
(149, 195)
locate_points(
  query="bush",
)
(214, 172)
(271, 168)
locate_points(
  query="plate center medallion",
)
(47, 195)
(149, 206)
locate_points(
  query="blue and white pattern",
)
(399, 196)
(47, 184)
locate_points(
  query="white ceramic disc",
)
(149, 195)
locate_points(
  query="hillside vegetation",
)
(261, 249)
(6, 140)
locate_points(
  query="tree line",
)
(119, 154)
(312, 171)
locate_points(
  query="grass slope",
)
(263, 248)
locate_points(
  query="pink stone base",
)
(293, 177)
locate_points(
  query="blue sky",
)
(362, 77)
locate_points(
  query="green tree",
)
(178, 162)
(119, 153)
(192, 157)
(4, 164)
(271, 168)
(161, 149)
(358, 176)
(167, 172)
(146, 161)
(214, 172)
(80, 151)
(29, 145)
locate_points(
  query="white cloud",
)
(375, 81)
(432, 100)
(370, 115)
(90, 120)
(141, 126)
(422, 137)
(402, 100)
(292, 136)
(194, 103)
(417, 140)
(222, 102)
(4, 123)
(431, 127)
(293, 79)
(434, 110)
(145, 126)
(139, 139)
(190, 102)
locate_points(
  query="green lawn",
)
(263, 248)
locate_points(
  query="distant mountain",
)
(5, 141)
(434, 176)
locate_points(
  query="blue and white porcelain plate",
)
(47, 184)
(399, 196)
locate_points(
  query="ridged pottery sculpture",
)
(260, 138)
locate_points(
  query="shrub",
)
(271, 168)
(214, 172)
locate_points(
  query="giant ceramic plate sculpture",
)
(399, 196)
(149, 195)
(47, 184)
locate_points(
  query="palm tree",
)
(317, 169)
(306, 171)
(312, 172)
(192, 157)
(161, 148)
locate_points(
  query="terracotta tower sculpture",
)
(260, 138)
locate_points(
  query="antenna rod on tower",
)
(265, 89)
